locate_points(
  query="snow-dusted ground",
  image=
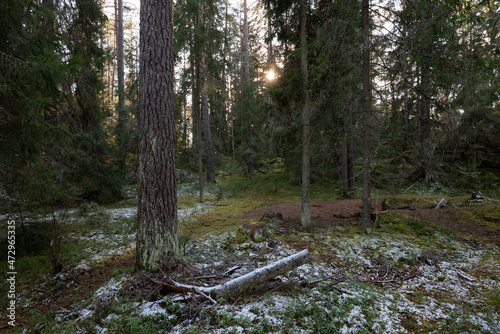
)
(451, 293)
(431, 284)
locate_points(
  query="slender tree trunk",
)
(114, 65)
(207, 132)
(246, 58)
(350, 158)
(345, 163)
(121, 89)
(425, 123)
(195, 98)
(350, 140)
(184, 113)
(197, 110)
(305, 218)
(406, 111)
(366, 213)
(200, 160)
(157, 240)
(406, 78)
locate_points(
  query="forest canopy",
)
(239, 94)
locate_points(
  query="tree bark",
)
(305, 218)
(246, 58)
(121, 89)
(425, 124)
(209, 148)
(345, 171)
(207, 132)
(157, 240)
(349, 141)
(366, 212)
(350, 152)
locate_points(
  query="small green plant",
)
(171, 307)
(184, 241)
(88, 207)
(495, 300)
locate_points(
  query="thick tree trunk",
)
(367, 101)
(157, 240)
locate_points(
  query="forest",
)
(267, 166)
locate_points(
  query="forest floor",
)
(420, 270)
(341, 212)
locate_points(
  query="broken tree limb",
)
(245, 282)
(441, 203)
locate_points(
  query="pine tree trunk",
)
(345, 172)
(425, 124)
(157, 240)
(350, 141)
(366, 212)
(209, 148)
(121, 89)
(305, 218)
(246, 58)
(199, 145)
(406, 111)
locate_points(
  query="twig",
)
(386, 271)
(6, 326)
(389, 281)
(465, 277)
(341, 290)
(224, 274)
(423, 222)
(276, 247)
(189, 266)
(338, 274)
(341, 279)
(204, 295)
(411, 186)
(470, 242)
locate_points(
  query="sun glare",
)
(271, 75)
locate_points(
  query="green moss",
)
(495, 300)
(224, 216)
(391, 222)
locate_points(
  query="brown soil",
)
(345, 212)
(452, 219)
(321, 210)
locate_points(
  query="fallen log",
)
(245, 282)
(260, 275)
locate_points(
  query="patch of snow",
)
(84, 314)
(149, 309)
